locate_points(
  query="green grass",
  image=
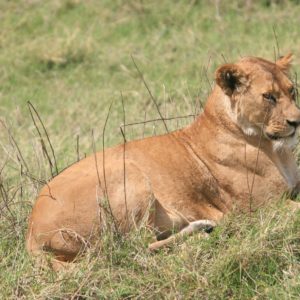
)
(71, 59)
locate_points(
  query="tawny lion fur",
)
(236, 155)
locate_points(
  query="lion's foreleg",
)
(287, 166)
(192, 227)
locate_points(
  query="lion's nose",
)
(294, 123)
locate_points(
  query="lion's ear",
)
(285, 62)
(231, 78)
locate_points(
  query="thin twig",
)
(193, 103)
(149, 91)
(96, 161)
(224, 58)
(31, 107)
(123, 133)
(32, 178)
(6, 201)
(155, 120)
(77, 147)
(296, 85)
(256, 161)
(5, 197)
(201, 107)
(43, 144)
(205, 73)
(98, 178)
(277, 44)
(274, 53)
(144, 123)
(21, 188)
(47, 135)
(103, 163)
(4, 164)
(247, 173)
(15, 145)
(124, 157)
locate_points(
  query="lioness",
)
(237, 154)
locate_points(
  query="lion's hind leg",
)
(192, 227)
(56, 249)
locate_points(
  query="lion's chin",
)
(279, 142)
(276, 136)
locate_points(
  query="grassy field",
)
(71, 60)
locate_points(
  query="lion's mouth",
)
(275, 137)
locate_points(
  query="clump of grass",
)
(63, 51)
(67, 5)
(257, 253)
(244, 258)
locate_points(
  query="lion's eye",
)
(270, 97)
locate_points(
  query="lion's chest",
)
(246, 175)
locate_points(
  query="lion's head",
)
(262, 98)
